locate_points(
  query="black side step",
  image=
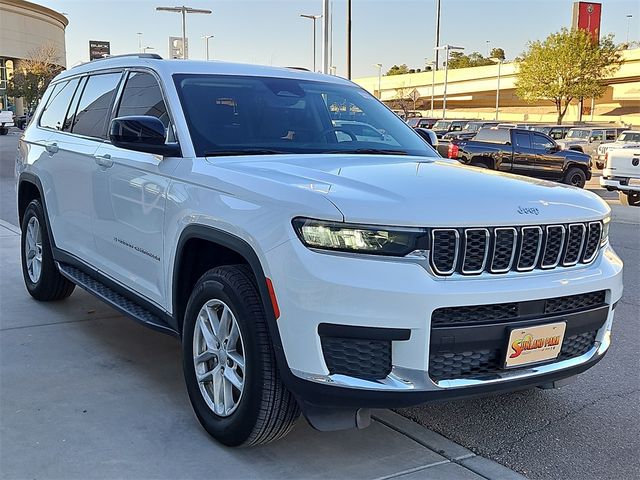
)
(115, 299)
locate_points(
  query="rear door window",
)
(95, 105)
(54, 113)
(522, 140)
(611, 135)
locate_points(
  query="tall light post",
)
(314, 18)
(629, 17)
(183, 10)
(206, 42)
(433, 82)
(379, 65)
(447, 48)
(139, 34)
(349, 39)
(499, 61)
(437, 42)
(488, 51)
(144, 50)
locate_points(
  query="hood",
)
(415, 191)
(571, 141)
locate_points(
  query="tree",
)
(398, 70)
(497, 53)
(567, 65)
(402, 100)
(33, 74)
(475, 59)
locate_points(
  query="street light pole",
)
(437, 32)
(183, 10)
(433, 83)
(447, 48)
(206, 41)
(629, 17)
(498, 90)
(379, 65)
(349, 39)
(314, 18)
(139, 34)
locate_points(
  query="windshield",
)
(544, 130)
(441, 125)
(578, 134)
(235, 115)
(629, 137)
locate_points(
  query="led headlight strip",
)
(355, 238)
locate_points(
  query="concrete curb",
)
(12, 228)
(450, 450)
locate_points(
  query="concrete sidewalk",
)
(88, 393)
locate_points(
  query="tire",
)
(41, 276)
(629, 198)
(575, 176)
(4, 130)
(263, 410)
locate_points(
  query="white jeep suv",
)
(303, 268)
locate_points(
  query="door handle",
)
(51, 147)
(104, 160)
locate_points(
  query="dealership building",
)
(24, 28)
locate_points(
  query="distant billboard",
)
(175, 47)
(586, 16)
(99, 49)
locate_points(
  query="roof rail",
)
(138, 55)
(300, 68)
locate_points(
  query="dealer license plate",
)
(534, 344)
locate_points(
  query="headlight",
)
(369, 239)
(605, 230)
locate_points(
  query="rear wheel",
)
(41, 276)
(575, 176)
(229, 364)
(629, 198)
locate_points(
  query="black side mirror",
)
(142, 133)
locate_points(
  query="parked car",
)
(622, 174)
(6, 121)
(523, 152)
(421, 122)
(303, 272)
(587, 139)
(627, 139)
(428, 136)
(557, 132)
(441, 127)
(468, 131)
(347, 129)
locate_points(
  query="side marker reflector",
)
(272, 296)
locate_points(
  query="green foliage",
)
(567, 65)
(475, 59)
(497, 53)
(33, 75)
(398, 70)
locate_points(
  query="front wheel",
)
(41, 276)
(629, 198)
(229, 364)
(575, 176)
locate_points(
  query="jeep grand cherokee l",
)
(305, 269)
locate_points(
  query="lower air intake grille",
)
(458, 365)
(361, 358)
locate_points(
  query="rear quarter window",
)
(57, 106)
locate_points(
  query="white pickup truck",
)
(622, 173)
(6, 121)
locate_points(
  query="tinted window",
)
(56, 109)
(611, 134)
(95, 104)
(541, 143)
(142, 96)
(522, 140)
(289, 116)
(493, 135)
(598, 135)
(68, 121)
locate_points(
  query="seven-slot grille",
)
(470, 251)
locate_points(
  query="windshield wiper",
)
(372, 151)
(242, 151)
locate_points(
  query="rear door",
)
(523, 154)
(131, 189)
(547, 163)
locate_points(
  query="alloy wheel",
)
(33, 249)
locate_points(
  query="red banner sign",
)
(586, 16)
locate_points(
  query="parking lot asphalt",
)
(83, 389)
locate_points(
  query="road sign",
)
(414, 95)
(99, 49)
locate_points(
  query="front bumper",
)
(314, 288)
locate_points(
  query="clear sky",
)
(272, 32)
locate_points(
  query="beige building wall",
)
(471, 93)
(25, 26)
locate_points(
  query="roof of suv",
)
(170, 67)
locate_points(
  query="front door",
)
(549, 165)
(130, 195)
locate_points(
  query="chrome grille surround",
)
(499, 250)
